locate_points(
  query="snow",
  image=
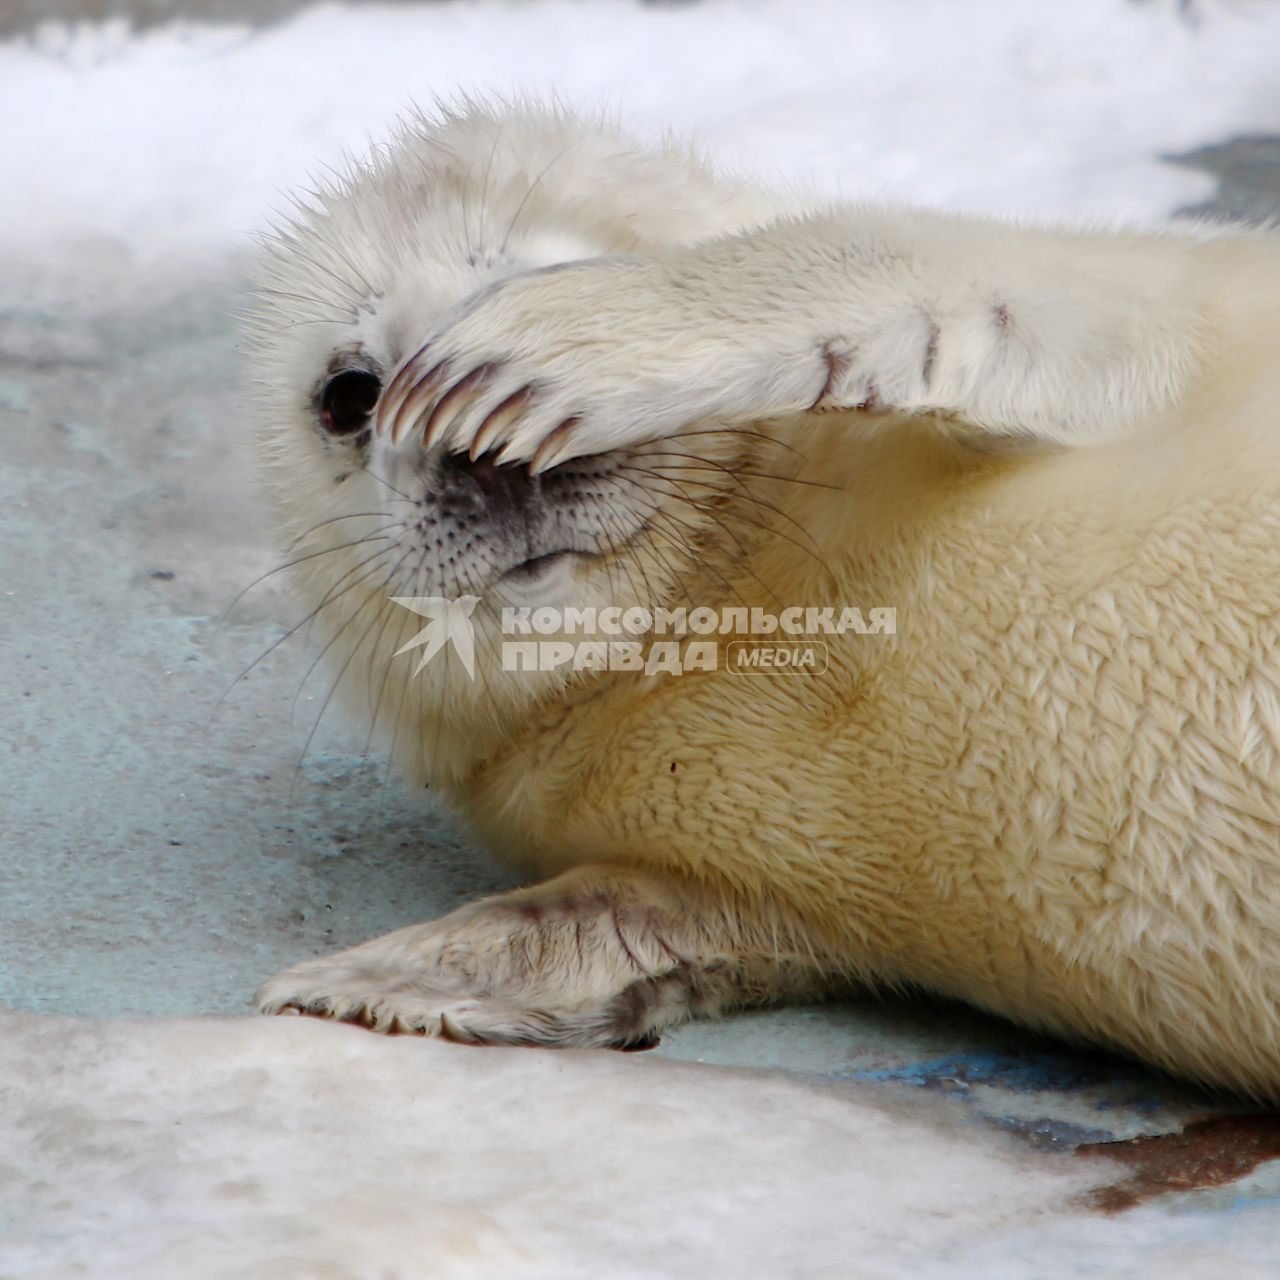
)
(181, 139)
(247, 1148)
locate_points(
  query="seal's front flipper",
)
(595, 958)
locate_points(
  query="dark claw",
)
(650, 1040)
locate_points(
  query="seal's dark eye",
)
(347, 401)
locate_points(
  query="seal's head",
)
(346, 294)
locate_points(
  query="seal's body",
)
(543, 369)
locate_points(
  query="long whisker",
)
(466, 223)
(674, 573)
(691, 531)
(376, 701)
(746, 495)
(533, 186)
(315, 662)
(354, 515)
(384, 533)
(357, 299)
(301, 324)
(400, 718)
(330, 598)
(734, 431)
(484, 186)
(364, 466)
(813, 552)
(344, 313)
(333, 688)
(740, 472)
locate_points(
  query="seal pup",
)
(516, 363)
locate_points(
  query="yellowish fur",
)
(1053, 792)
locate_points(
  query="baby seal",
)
(809, 599)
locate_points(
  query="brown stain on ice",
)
(1207, 1153)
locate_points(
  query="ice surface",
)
(292, 1149)
(289, 1149)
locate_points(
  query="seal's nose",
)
(502, 488)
